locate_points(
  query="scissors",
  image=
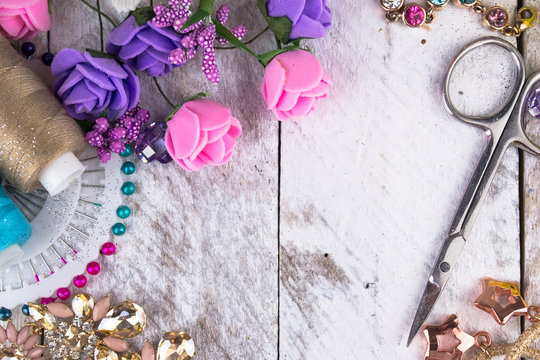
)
(503, 128)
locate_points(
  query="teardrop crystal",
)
(82, 306)
(41, 316)
(125, 320)
(175, 346)
(104, 353)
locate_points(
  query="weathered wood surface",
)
(368, 187)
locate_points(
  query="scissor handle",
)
(485, 121)
(520, 137)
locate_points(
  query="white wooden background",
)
(315, 241)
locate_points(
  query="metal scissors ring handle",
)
(486, 120)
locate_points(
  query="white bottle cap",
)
(10, 256)
(59, 174)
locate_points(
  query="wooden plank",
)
(531, 183)
(201, 249)
(369, 186)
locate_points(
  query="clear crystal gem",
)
(104, 353)
(391, 4)
(175, 346)
(125, 320)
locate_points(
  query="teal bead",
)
(5, 314)
(119, 229)
(128, 151)
(123, 212)
(128, 188)
(26, 310)
(128, 168)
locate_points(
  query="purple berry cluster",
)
(198, 35)
(107, 138)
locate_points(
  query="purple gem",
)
(151, 144)
(534, 103)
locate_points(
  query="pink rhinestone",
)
(63, 293)
(497, 17)
(414, 15)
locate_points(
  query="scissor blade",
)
(446, 261)
(429, 298)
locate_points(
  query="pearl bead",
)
(119, 229)
(5, 314)
(80, 281)
(108, 248)
(63, 293)
(128, 188)
(123, 212)
(28, 48)
(26, 310)
(47, 58)
(128, 168)
(128, 151)
(47, 300)
(93, 268)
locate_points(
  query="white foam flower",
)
(125, 5)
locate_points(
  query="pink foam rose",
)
(293, 84)
(23, 19)
(201, 133)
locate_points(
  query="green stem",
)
(48, 41)
(99, 11)
(162, 93)
(246, 43)
(100, 25)
(278, 43)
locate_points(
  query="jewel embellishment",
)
(414, 15)
(21, 345)
(438, 3)
(391, 4)
(126, 320)
(175, 346)
(502, 300)
(447, 341)
(497, 17)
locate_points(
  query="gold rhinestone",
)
(76, 339)
(82, 306)
(130, 356)
(104, 353)
(9, 353)
(42, 316)
(125, 320)
(175, 346)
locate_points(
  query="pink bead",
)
(108, 248)
(80, 281)
(93, 268)
(63, 293)
(47, 300)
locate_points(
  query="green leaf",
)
(85, 125)
(280, 26)
(197, 96)
(204, 11)
(264, 59)
(99, 54)
(227, 35)
(143, 15)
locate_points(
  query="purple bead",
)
(151, 144)
(534, 103)
(117, 146)
(117, 133)
(101, 125)
(142, 115)
(94, 138)
(104, 154)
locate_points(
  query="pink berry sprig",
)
(200, 35)
(107, 138)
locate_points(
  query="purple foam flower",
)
(310, 18)
(145, 47)
(87, 85)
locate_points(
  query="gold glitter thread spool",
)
(38, 139)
